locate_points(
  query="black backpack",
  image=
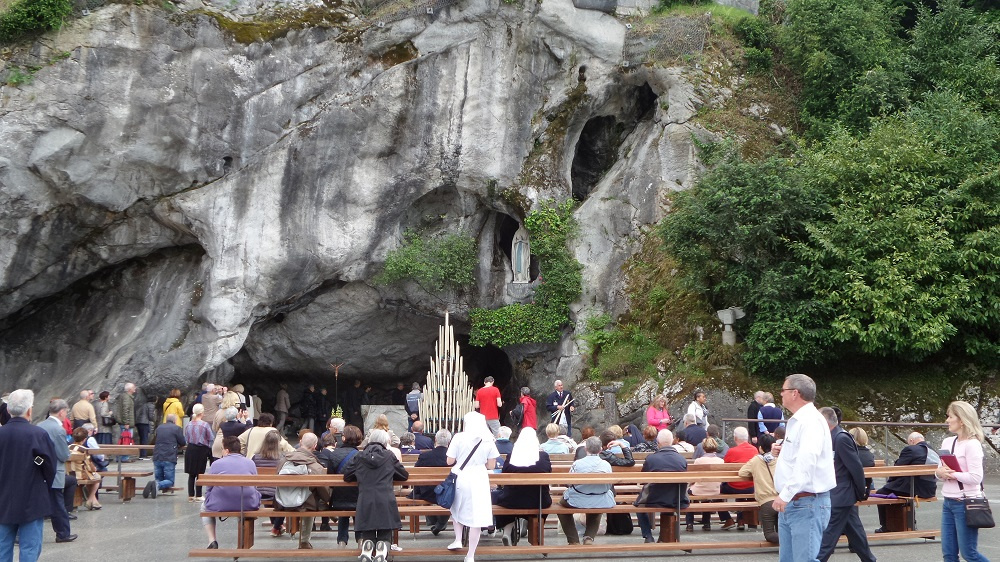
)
(619, 524)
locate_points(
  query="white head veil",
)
(525, 451)
(475, 424)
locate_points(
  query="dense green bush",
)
(434, 263)
(28, 16)
(551, 227)
(758, 60)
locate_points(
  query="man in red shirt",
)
(488, 403)
(741, 452)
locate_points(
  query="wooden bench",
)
(669, 527)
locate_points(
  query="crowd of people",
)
(805, 472)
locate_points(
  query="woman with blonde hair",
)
(230, 400)
(864, 453)
(967, 446)
(657, 415)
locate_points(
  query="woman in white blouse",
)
(967, 446)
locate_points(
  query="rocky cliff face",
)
(176, 204)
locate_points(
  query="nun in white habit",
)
(524, 458)
(473, 507)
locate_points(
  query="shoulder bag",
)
(445, 491)
(977, 510)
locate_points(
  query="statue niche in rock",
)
(520, 256)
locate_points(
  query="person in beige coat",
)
(252, 439)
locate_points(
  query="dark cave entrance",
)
(602, 136)
(490, 360)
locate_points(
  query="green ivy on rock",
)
(551, 227)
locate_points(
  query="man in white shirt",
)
(698, 409)
(804, 474)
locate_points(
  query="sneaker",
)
(147, 490)
(305, 546)
(505, 540)
(213, 545)
(395, 548)
(276, 532)
(741, 527)
(457, 545)
(152, 490)
(367, 550)
(651, 539)
(588, 540)
(690, 528)
(381, 551)
(706, 527)
(729, 524)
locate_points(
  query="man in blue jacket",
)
(53, 425)
(27, 469)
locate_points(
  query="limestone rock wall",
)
(176, 205)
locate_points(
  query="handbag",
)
(977, 510)
(445, 491)
(108, 420)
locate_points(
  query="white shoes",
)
(457, 545)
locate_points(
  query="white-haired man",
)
(560, 406)
(83, 411)
(125, 411)
(53, 426)
(804, 474)
(27, 469)
(741, 452)
(665, 459)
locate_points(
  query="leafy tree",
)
(434, 263)
(28, 16)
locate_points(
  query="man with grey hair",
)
(587, 495)
(83, 411)
(27, 470)
(438, 456)
(804, 474)
(851, 488)
(53, 426)
(125, 411)
(421, 441)
(560, 406)
(692, 432)
(169, 440)
(335, 427)
(665, 459)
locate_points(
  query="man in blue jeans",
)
(804, 474)
(169, 438)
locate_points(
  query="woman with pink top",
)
(705, 488)
(967, 446)
(657, 415)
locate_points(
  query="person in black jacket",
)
(752, 410)
(307, 408)
(27, 470)
(375, 469)
(851, 487)
(608, 440)
(524, 458)
(666, 459)
(916, 451)
(342, 497)
(438, 456)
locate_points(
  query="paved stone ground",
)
(166, 528)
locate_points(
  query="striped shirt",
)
(199, 433)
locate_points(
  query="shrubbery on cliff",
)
(30, 16)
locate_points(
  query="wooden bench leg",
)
(80, 496)
(897, 517)
(535, 536)
(127, 490)
(751, 518)
(292, 525)
(245, 538)
(670, 527)
(414, 524)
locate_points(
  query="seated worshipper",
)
(916, 451)
(741, 452)
(761, 468)
(721, 448)
(710, 456)
(554, 446)
(649, 443)
(421, 441)
(253, 438)
(580, 451)
(609, 442)
(438, 456)
(343, 497)
(377, 515)
(632, 435)
(267, 457)
(336, 427)
(587, 495)
(407, 444)
(319, 496)
(199, 437)
(328, 447)
(770, 416)
(229, 498)
(681, 444)
(620, 441)
(524, 458)
(665, 459)
(84, 468)
(504, 444)
(100, 462)
(864, 453)
(169, 439)
(692, 432)
(237, 422)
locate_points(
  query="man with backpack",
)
(412, 404)
(302, 461)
